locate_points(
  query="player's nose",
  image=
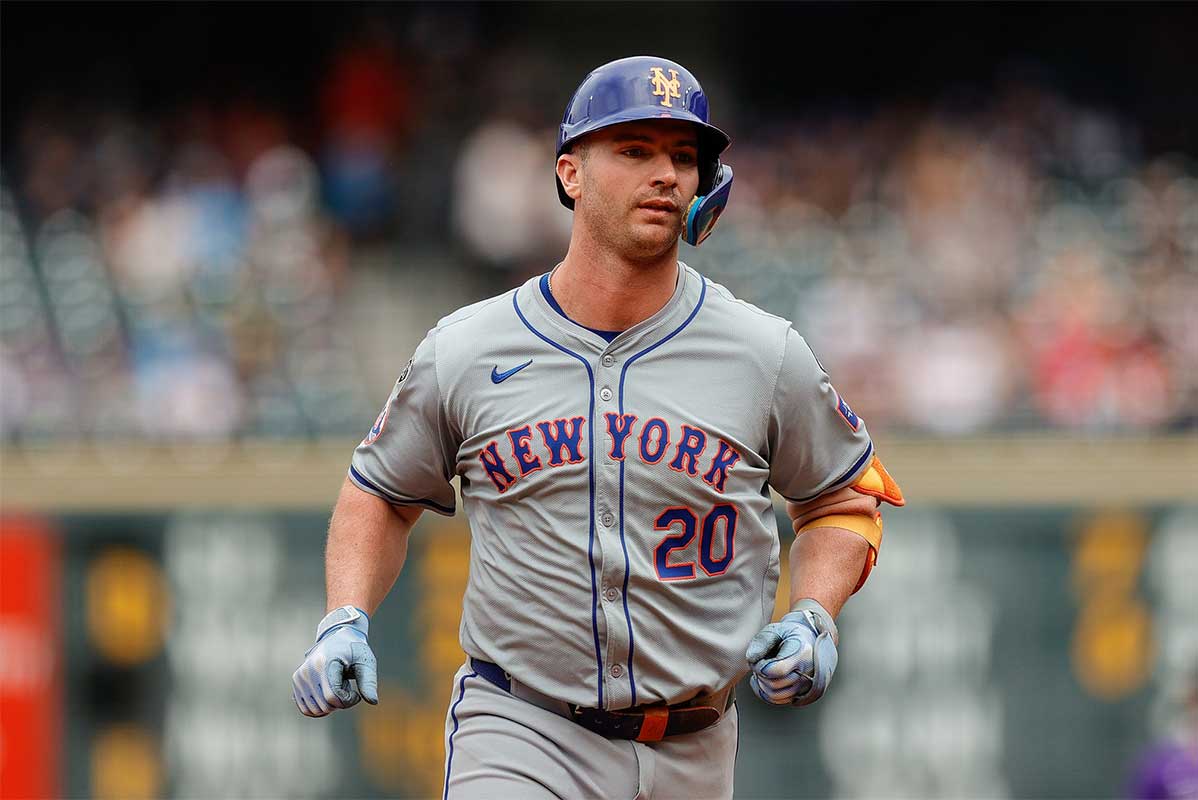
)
(664, 172)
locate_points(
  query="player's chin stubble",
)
(658, 238)
(633, 238)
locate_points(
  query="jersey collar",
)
(562, 329)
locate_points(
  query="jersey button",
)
(616, 670)
(608, 361)
(611, 594)
(607, 519)
(605, 393)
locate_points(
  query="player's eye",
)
(634, 152)
(685, 158)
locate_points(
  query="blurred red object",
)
(366, 93)
(31, 669)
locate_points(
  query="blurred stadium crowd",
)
(211, 272)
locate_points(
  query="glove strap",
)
(345, 615)
(819, 617)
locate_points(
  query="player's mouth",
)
(660, 207)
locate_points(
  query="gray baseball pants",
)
(498, 745)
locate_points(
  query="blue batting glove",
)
(793, 659)
(321, 684)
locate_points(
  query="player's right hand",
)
(322, 683)
(793, 659)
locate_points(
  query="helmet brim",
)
(713, 141)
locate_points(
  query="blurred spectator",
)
(956, 377)
(365, 107)
(1168, 770)
(505, 208)
(1017, 266)
(54, 177)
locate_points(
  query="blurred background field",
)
(223, 229)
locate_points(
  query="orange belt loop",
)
(654, 726)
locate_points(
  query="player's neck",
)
(605, 292)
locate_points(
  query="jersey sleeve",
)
(816, 443)
(409, 456)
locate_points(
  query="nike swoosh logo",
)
(500, 377)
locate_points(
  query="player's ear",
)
(568, 165)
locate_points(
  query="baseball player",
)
(616, 424)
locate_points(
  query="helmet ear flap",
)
(711, 144)
(706, 208)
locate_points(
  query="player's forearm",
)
(366, 548)
(825, 565)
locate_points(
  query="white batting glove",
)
(322, 683)
(793, 659)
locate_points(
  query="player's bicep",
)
(408, 457)
(817, 444)
(845, 500)
(358, 507)
(353, 497)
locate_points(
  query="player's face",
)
(637, 181)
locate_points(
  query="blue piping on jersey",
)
(591, 480)
(848, 474)
(608, 336)
(453, 713)
(395, 499)
(627, 569)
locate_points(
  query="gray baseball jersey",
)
(624, 546)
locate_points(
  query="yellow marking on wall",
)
(1113, 648)
(128, 605)
(125, 764)
(401, 741)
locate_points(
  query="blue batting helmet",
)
(640, 88)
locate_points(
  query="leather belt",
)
(643, 723)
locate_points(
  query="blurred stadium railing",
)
(1018, 268)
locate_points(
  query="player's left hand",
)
(793, 659)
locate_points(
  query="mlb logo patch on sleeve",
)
(378, 425)
(852, 419)
(381, 421)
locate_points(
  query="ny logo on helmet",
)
(663, 87)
